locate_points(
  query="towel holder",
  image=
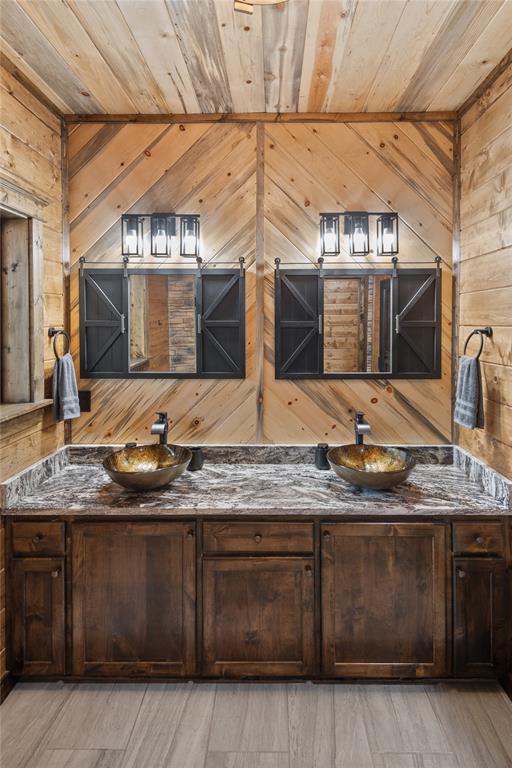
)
(55, 333)
(481, 332)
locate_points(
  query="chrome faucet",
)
(161, 427)
(360, 427)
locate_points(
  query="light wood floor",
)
(101, 725)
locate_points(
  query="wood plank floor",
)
(189, 725)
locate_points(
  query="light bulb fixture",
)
(356, 227)
(387, 234)
(132, 235)
(163, 231)
(189, 236)
(330, 234)
(247, 6)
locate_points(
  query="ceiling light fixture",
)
(247, 6)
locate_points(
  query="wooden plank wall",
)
(365, 166)
(259, 190)
(486, 263)
(30, 152)
(30, 161)
(205, 169)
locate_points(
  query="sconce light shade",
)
(163, 230)
(189, 245)
(330, 234)
(356, 227)
(132, 236)
(387, 234)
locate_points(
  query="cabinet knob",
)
(479, 540)
(309, 570)
(56, 573)
(461, 574)
(37, 538)
(190, 534)
(327, 535)
(257, 537)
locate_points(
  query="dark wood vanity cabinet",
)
(242, 598)
(258, 599)
(38, 616)
(134, 593)
(37, 598)
(384, 599)
(258, 616)
(479, 617)
(479, 599)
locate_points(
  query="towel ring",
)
(55, 333)
(481, 332)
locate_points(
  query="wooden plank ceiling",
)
(200, 56)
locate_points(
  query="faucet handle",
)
(162, 415)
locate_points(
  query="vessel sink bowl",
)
(371, 466)
(146, 467)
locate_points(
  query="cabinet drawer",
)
(258, 537)
(478, 538)
(38, 538)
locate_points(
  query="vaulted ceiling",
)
(190, 56)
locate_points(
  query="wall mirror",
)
(143, 323)
(370, 323)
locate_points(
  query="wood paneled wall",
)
(486, 263)
(259, 190)
(30, 152)
(30, 166)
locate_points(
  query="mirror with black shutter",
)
(152, 323)
(368, 323)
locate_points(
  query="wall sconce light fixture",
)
(163, 231)
(132, 235)
(330, 234)
(189, 236)
(357, 229)
(387, 234)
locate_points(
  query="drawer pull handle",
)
(190, 534)
(37, 538)
(479, 540)
(461, 574)
(258, 537)
(56, 573)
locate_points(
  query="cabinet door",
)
(133, 598)
(480, 618)
(258, 616)
(383, 599)
(38, 625)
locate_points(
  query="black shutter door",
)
(220, 300)
(298, 324)
(417, 318)
(103, 324)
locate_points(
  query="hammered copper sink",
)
(371, 466)
(146, 467)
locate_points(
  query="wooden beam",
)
(456, 269)
(65, 256)
(28, 84)
(493, 75)
(269, 117)
(36, 309)
(260, 278)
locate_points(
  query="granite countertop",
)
(250, 489)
